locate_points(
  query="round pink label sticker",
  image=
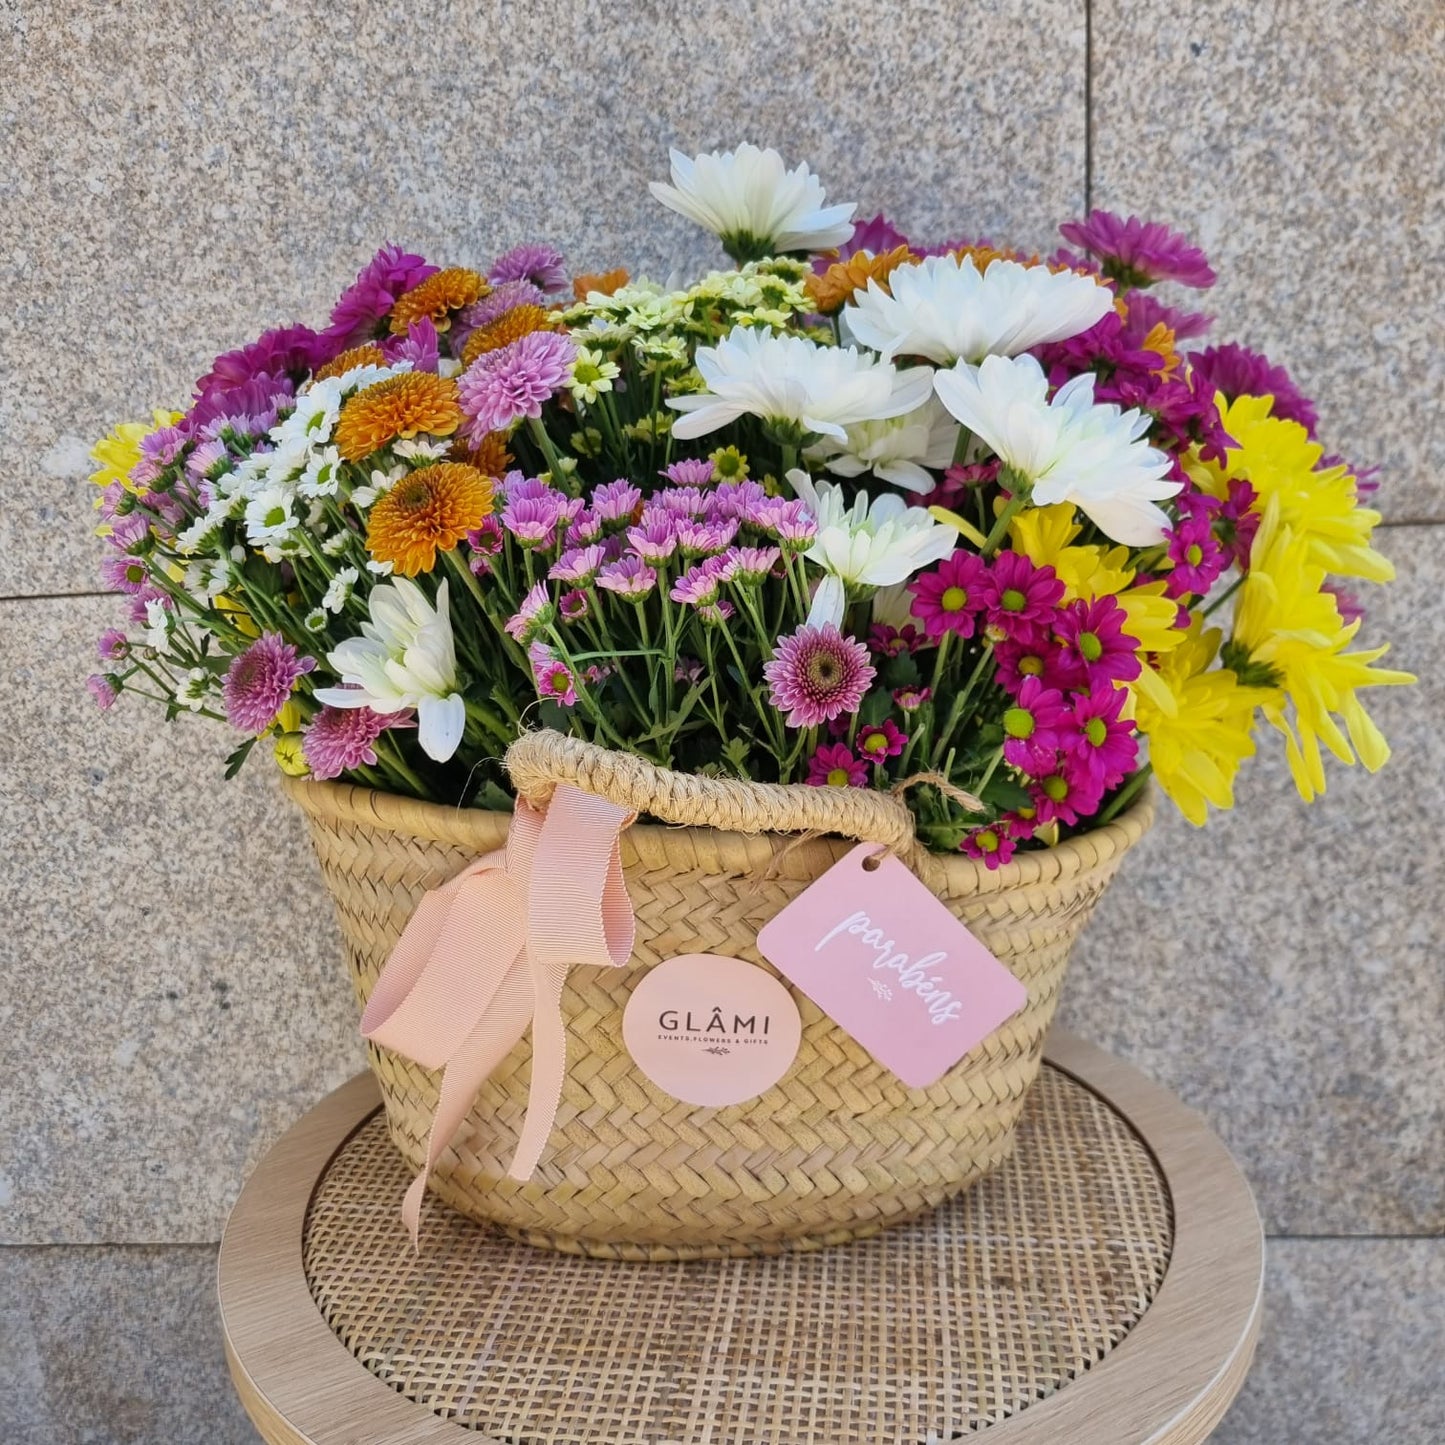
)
(711, 1030)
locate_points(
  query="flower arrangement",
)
(855, 512)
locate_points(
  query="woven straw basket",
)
(839, 1148)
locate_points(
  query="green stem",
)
(1000, 527)
(1224, 596)
(1127, 793)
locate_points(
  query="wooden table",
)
(1101, 1288)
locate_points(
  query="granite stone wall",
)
(174, 176)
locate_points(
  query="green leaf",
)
(494, 798)
(238, 758)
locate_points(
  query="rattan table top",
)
(1085, 1256)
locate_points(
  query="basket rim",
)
(479, 830)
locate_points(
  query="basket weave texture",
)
(840, 1147)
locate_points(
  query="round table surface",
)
(1102, 1287)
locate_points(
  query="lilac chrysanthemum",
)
(701, 539)
(1139, 253)
(817, 674)
(699, 585)
(578, 564)
(631, 578)
(124, 574)
(694, 472)
(614, 501)
(342, 738)
(503, 386)
(1238, 371)
(541, 265)
(496, 303)
(876, 236)
(788, 521)
(259, 681)
(419, 346)
(364, 304)
(247, 407)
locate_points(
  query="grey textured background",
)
(176, 176)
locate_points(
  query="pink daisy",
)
(503, 386)
(1093, 646)
(631, 578)
(579, 565)
(529, 620)
(113, 645)
(889, 641)
(910, 699)
(1100, 741)
(483, 544)
(342, 738)
(835, 765)
(614, 502)
(949, 598)
(573, 606)
(259, 681)
(703, 539)
(699, 585)
(124, 574)
(103, 689)
(752, 564)
(1018, 596)
(790, 523)
(553, 677)
(881, 740)
(817, 675)
(654, 538)
(695, 472)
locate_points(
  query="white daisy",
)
(794, 382)
(945, 309)
(337, 542)
(869, 544)
(269, 518)
(1070, 449)
(422, 449)
(322, 475)
(339, 589)
(404, 658)
(159, 620)
(898, 450)
(315, 620)
(753, 203)
(194, 691)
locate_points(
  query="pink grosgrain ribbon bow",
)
(487, 954)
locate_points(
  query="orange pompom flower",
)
(437, 297)
(402, 406)
(367, 355)
(836, 285)
(609, 283)
(427, 511)
(510, 326)
(490, 456)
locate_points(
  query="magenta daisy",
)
(1238, 371)
(1093, 645)
(1066, 796)
(553, 677)
(1238, 522)
(694, 472)
(1139, 253)
(817, 675)
(1197, 555)
(631, 578)
(994, 845)
(877, 236)
(910, 699)
(1035, 655)
(124, 574)
(881, 740)
(1100, 741)
(342, 738)
(541, 265)
(1018, 596)
(503, 386)
(1035, 727)
(949, 598)
(259, 681)
(835, 765)
(367, 302)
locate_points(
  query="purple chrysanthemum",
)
(631, 578)
(1238, 371)
(364, 304)
(541, 265)
(1139, 253)
(259, 681)
(113, 645)
(103, 689)
(247, 408)
(876, 236)
(654, 538)
(286, 352)
(817, 674)
(614, 502)
(494, 305)
(513, 382)
(342, 738)
(419, 346)
(579, 565)
(694, 472)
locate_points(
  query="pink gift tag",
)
(878, 953)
